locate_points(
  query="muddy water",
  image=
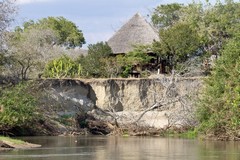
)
(124, 148)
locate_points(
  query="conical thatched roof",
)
(136, 31)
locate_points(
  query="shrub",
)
(62, 68)
(219, 108)
(17, 107)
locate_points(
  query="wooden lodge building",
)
(137, 31)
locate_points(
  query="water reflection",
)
(128, 148)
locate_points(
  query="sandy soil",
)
(154, 119)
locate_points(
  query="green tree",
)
(178, 42)
(192, 14)
(219, 23)
(101, 48)
(68, 33)
(166, 15)
(138, 56)
(93, 64)
(135, 59)
(215, 24)
(218, 110)
(179, 32)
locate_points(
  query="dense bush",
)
(219, 109)
(62, 67)
(17, 107)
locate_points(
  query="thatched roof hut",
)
(136, 31)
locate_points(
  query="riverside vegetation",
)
(194, 31)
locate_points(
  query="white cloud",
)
(31, 1)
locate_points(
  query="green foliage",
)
(194, 16)
(191, 134)
(135, 60)
(62, 67)
(100, 63)
(138, 56)
(3, 59)
(219, 108)
(68, 33)
(178, 41)
(166, 15)
(195, 28)
(188, 133)
(100, 49)
(94, 63)
(17, 107)
(126, 70)
(221, 19)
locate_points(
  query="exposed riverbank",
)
(93, 106)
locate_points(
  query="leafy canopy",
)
(93, 64)
(166, 15)
(68, 33)
(179, 41)
(138, 56)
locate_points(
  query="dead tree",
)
(181, 105)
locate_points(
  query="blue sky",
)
(98, 19)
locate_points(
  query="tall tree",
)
(213, 23)
(93, 64)
(30, 51)
(220, 23)
(166, 15)
(68, 33)
(199, 28)
(179, 42)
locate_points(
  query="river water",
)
(124, 148)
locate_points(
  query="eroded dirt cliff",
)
(64, 100)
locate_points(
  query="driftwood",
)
(159, 105)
